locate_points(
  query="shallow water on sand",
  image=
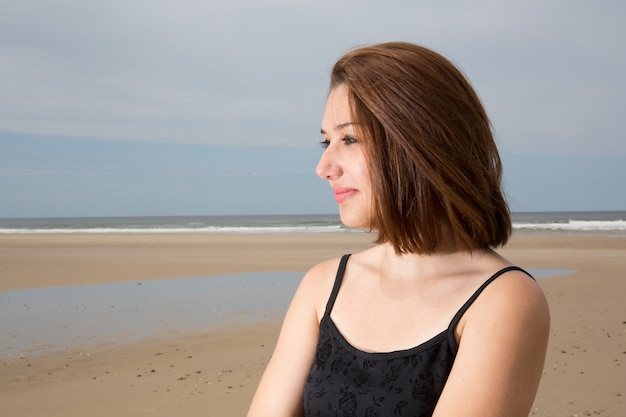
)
(47, 320)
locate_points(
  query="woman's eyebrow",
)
(338, 127)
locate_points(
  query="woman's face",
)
(343, 162)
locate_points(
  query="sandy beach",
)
(215, 372)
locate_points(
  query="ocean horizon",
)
(611, 222)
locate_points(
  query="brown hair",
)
(433, 161)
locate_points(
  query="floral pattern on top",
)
(345, 381)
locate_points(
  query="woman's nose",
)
(328, 167)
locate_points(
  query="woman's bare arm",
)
(280, 390)
(502, 349)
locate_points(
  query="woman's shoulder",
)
(511, 286)
(324, 271)
(317, 284)
(513, 297)
(515, 288)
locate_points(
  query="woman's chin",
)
(354, 222)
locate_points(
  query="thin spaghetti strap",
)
(333, 295)
(468, 303)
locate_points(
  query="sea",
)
(597, 222)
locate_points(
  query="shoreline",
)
(218, 369)
(49, 260)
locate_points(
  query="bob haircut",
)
(433, 161)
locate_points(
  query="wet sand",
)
(215, 371)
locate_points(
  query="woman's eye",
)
(347, 140)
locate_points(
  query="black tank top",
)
(345, 381)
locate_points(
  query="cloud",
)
(255, 73)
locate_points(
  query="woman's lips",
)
(342, 194)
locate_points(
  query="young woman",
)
(430, 321)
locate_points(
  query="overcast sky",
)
(159, 107)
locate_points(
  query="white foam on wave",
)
(208, 229)
(576, 225)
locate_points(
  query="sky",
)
(195, 107)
